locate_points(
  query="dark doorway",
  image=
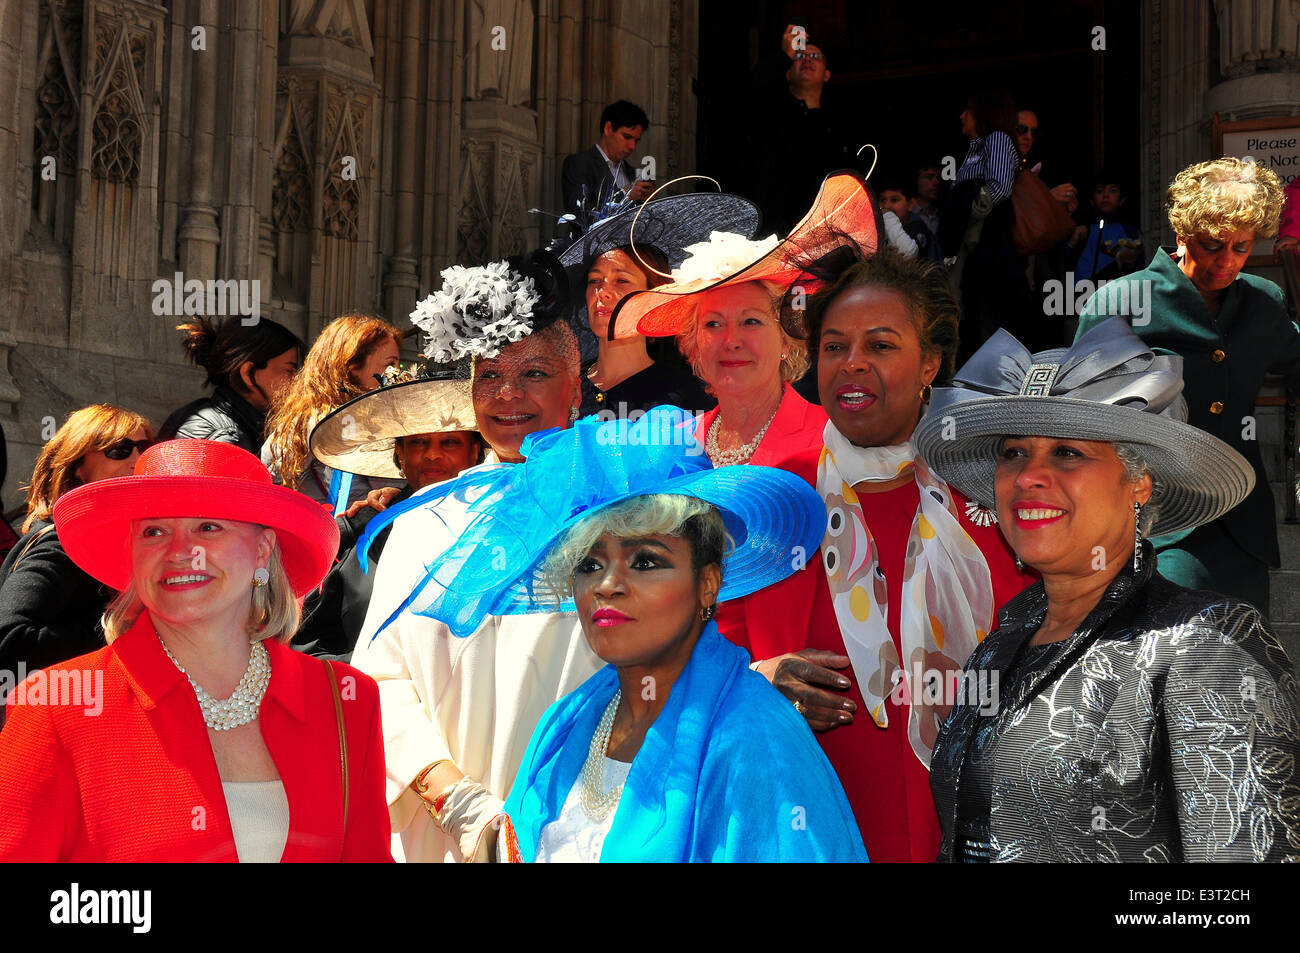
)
(903, 71)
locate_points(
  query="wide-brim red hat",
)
(844, 212)
(199, 479)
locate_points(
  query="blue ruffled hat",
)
(520, 511)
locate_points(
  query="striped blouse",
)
(995, 159)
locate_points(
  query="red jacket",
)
(793, 438)
(1290, 224)
(136, 779)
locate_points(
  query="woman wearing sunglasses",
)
(50, 609)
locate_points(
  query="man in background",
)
(592, 178)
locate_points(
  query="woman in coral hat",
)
(237, 749)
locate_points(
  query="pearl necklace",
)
(596, 801)
(241, 707)
(731, 458)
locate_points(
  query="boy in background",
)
(1108, 247)
(904, 231)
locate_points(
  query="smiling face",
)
(611, 277)
(639, 600)
(1214, 263)
(384, 356)
(428, 458)
(870, 367)
(739, 339)
(1059, 500)
(523, 389)
(191, 571)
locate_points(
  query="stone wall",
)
(340, 154)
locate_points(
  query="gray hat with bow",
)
(1108, 386)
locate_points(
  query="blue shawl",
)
(729, 771)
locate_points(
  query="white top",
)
(897, 237)
(474, 700)
(573, 837)
(259, 817)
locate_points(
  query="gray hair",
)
(1136, 467)
(657, 514)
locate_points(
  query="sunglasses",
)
(1022, 129)
(805, 55)
(122, 449)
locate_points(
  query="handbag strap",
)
(30, 543)
(343, 736)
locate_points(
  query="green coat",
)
(1252, 335)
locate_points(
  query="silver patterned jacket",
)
(1164, 729)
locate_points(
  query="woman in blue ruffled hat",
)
(675, 751)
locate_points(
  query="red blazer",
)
(887, 786)
(137, 780)
(792, 440)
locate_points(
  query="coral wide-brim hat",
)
(844, 212)
(194, 479)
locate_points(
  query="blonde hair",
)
(657, 514)
(274, 613)
(793, 366)
(1224, 195)
(96, 427)
(323, 383)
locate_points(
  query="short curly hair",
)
(922, 284)
(793, 366)
(654, 514)
(1222, 196)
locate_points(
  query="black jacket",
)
(332, 615)
(49, 608)
(587, 182)
(224, 417)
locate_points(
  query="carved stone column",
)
(500, 156)
(1175, 124)
(401, 284)
(199, 236)
(1259, 57)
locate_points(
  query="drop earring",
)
(1137, 537)
(573, 414)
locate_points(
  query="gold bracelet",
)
(419, 785)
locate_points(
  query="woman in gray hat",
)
(1135, 720)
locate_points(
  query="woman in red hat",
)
(238, 749)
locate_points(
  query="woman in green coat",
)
(1231, 329)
